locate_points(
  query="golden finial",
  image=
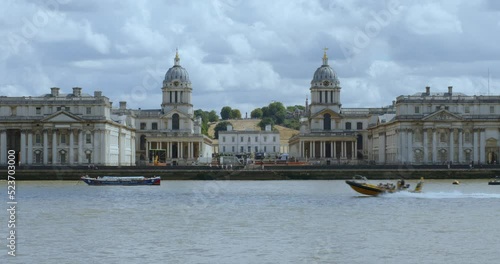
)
(325, 58)
(176, 60)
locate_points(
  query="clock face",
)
(326, 83)
(176, 83)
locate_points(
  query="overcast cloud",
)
(245, 54)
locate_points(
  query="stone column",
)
(3, 146)
(334, 155)
(81, 141)
(54, 147)
(23, 147)
(45, 147)
(355, 153)
(426, 150)
(482, 146)
(434, 144)
(410, 145)
(96, 149)
(30, 148)
(452, 141)
(381, 147)
(475, 146)
(460, 147)
(104, 147)
(71, 147)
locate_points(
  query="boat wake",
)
(444, 195)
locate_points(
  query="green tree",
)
(212, 116)
(256, 113)
(225, 112)
(221, 126)
(266, 121)
(235, 114)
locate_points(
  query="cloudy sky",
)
(248, 53)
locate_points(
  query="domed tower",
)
(177, 89)
(325, 89)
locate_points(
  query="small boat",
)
(494, 181)
(360, 184)
(455, 182)
(116, 180)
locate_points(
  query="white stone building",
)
(437, 128)
(65, 129)
(171, 134)
(248, 142)
(328, 132)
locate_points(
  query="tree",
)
(212, 116)
(266, 121)
(221, 126)
(235, 114)
(225, 112)
(256, 113)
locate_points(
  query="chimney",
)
(97, 94)
(450, 89)
(427, 90)
(229, 128)
(268, 127)
(77, 91)
(123, 105)
(54, 91)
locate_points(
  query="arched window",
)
(175, 122)
(327, 122)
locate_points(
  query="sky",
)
(248, 53)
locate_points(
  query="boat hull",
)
(121, 182)
(365, 188)
(494, 183)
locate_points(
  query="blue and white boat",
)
(119, 180)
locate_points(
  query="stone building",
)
(65, 129)
(328, 132)
(171, 134)
(439, 128)
(248, 142)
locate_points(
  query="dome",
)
(177, 72)
(325, 73)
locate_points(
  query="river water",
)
(253, 222)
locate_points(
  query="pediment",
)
(442, 115)
(62, 117)
(321, 114)
(170, 113)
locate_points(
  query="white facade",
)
(439, 128)
(65, 129)
(249, 142)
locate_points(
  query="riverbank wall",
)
(281, 172)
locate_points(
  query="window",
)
(67, 108)
(265, 149)
(417, 109)
(274, 148)
(242, 149)
(327, 122)
(249, 149)
(492, 109)
(241, 139)
(265, 138)
(58, 108)
(154, 126)
(88, 138)
(359, 125)
(223, 149)
(38, 139)
(256, 139)
(223, 139)
(274, 138)
(446, 108)
(467, 137)
(256, 149)
(348, 126)
(143, 126)
(88, 110)
(175, 121)
(232, 149)
(467, 110)
(233, 139)
(38, 110)
(248, 139)
(437, 108)
(63, 138)
(38, 157)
